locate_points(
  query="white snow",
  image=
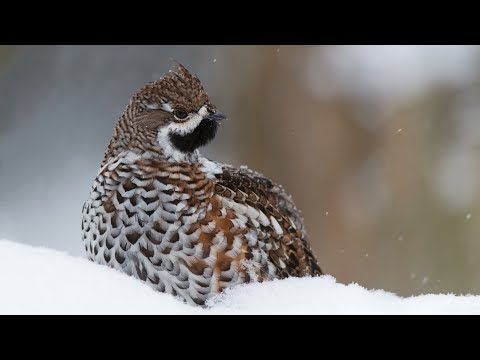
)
(44, 281)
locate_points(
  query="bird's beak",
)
(217, 116)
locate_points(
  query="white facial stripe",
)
(171, 153)
(186, 127)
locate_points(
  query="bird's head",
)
(174, 113)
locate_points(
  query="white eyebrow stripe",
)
(167, 107)
(152, 106)
(203, 111)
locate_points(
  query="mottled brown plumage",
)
(185, 225)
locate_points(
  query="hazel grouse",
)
(186, 225)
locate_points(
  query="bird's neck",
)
(153, 163)
(145, 144)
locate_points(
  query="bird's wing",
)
(280, 228)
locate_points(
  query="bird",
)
(186, 225)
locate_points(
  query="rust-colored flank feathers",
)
(188, 226)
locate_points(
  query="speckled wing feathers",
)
(282, 226)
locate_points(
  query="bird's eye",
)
(180, 114)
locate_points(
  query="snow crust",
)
(37, 280)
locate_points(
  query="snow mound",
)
(44, 281)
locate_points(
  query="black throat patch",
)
(202, 135)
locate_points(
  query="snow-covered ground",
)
(44, 281)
